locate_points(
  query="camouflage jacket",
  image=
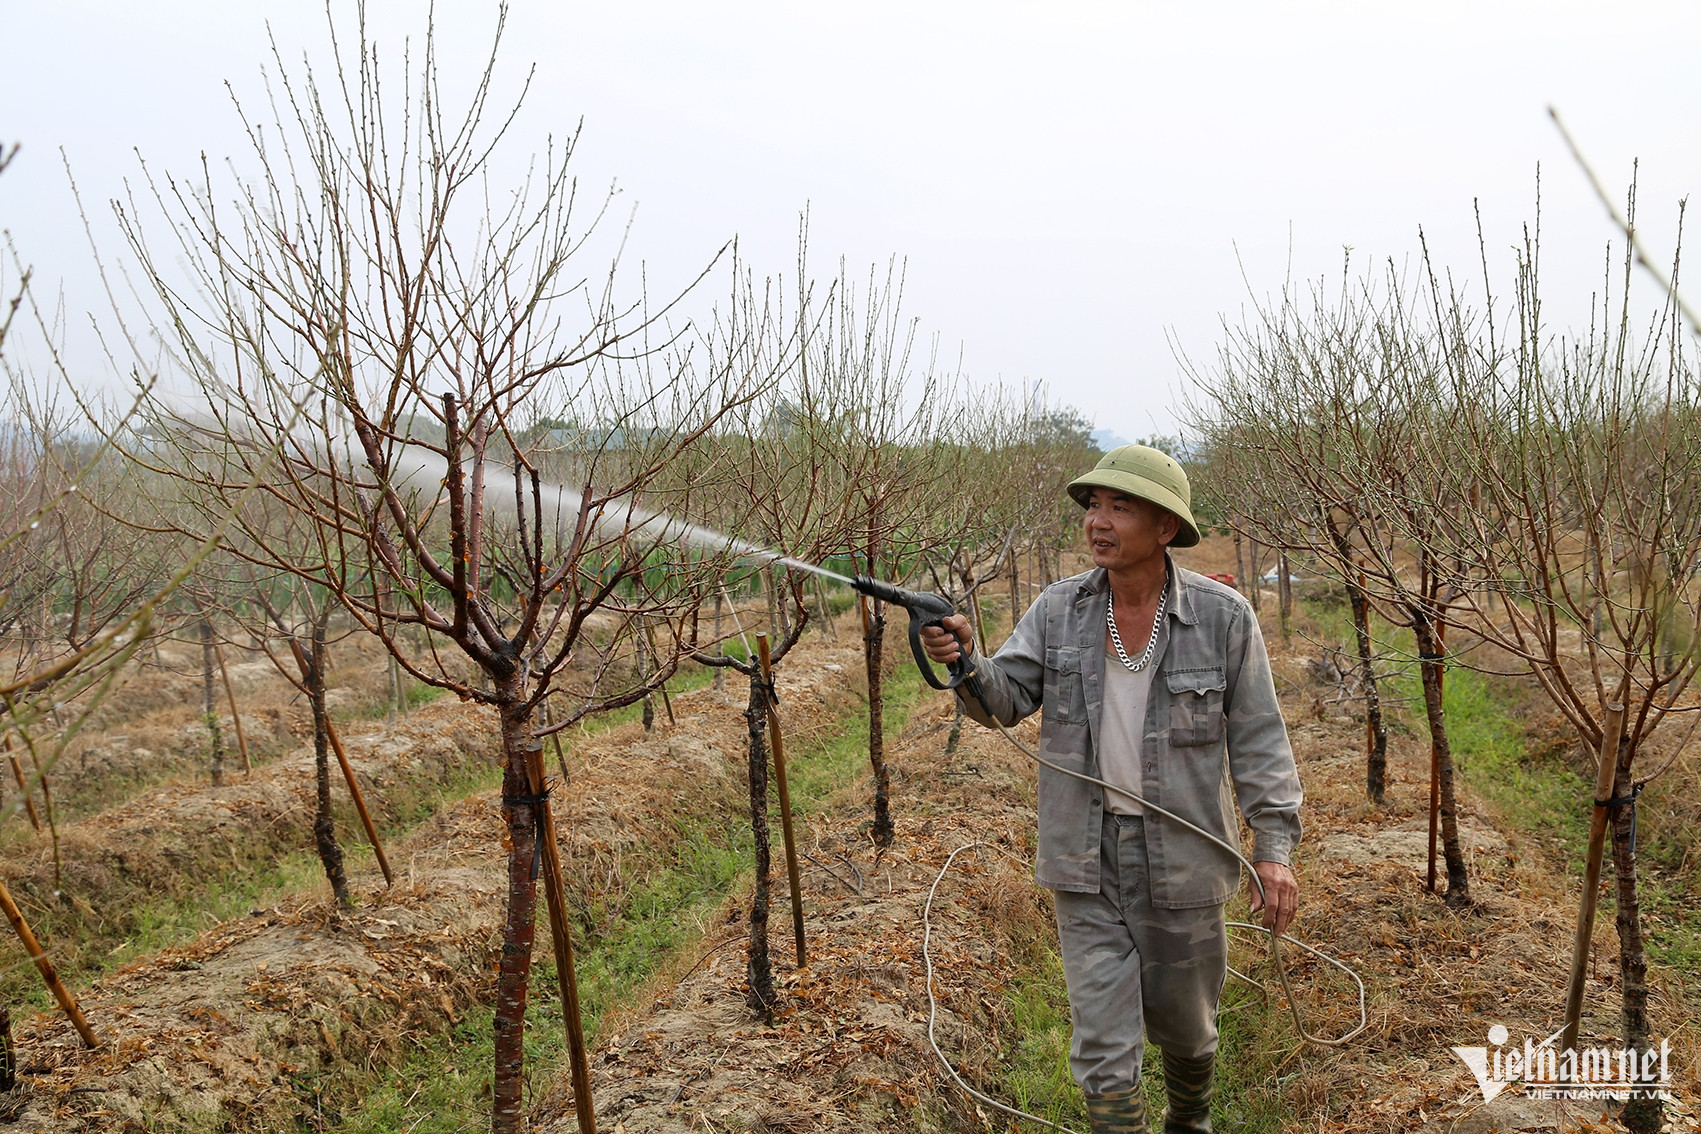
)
(1213, 734)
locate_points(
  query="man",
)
(1153, 677)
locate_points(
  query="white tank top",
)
(1122, 730)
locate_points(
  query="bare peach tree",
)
(1579, 550)
(1311, 420)
(890, 403)
(1539, 492)
(424, 348)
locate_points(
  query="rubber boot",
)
(1188, 1081)
(1121, 1113)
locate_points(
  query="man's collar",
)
(1179, 604)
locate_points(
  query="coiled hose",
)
(1275, 938)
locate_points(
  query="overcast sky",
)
(1072, 184)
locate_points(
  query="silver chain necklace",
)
(1151, 644)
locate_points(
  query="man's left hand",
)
(1281, 895)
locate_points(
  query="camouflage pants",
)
(1135, 971)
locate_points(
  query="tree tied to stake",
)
(471, 428)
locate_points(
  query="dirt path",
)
(848, 1049)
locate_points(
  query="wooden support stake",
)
(777, 744)
(1434, 807)
(23, 786)
(980, 624)
(235, 717)
(555, 741)
(1612, 731)
(359, 800)
(560, 932)
(67, 1002)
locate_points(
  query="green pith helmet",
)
(1142, 471)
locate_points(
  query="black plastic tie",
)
(1623, 800)
(1619, 799)
(535, 802)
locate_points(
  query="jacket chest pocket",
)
(1065, 697)
(1196, 706)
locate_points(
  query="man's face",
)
(1124, 531)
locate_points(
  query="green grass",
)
(444, 1087)
(1037, 1078)
(1537, 796)
(1534, 792)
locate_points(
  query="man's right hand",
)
(949, 640)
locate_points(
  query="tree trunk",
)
(1640, 1115)
(8, 1054)
(1458, 883)
(761, 995)
(1241, 574)
(507, 1114)
(210, 705)
(1284, 593)
(980, 622)
(873, 640)
(1376, 731)
(324, 828)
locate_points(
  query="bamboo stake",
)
(560, 932)
(67, 1002)
(23, 787)
(1434, 810)
(1612, 731)
(52, 822)
(359, 800)
(555, 740)
(235, 717)
(980, 624)
(777, 744)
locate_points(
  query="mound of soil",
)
(168, 842)
(295, 1010)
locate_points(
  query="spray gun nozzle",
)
(925, 609)
(885, 592)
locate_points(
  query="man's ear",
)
(1169, 526)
